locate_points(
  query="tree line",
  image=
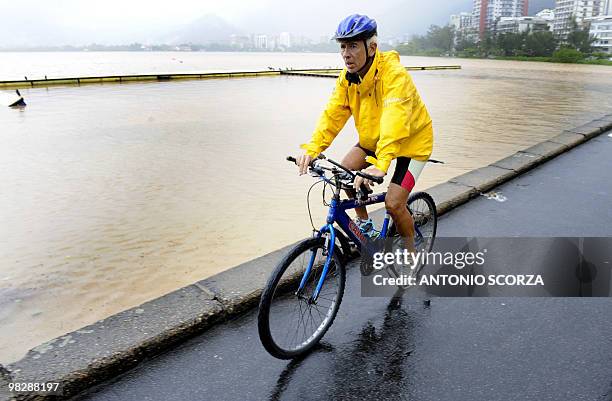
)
(445, 41)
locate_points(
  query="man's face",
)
(353, 54)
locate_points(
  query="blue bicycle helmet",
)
(360, 28)
(355, 26)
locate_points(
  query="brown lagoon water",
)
(111, 195)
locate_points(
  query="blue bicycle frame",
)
(337, 214)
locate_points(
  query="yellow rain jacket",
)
(389, 114)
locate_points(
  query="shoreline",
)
(113, 345)
(536, 59)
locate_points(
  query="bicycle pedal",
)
(366, 268)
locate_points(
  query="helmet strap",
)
(368, 62)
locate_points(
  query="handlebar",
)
(378, 180)
(320, 157)
(363, 190)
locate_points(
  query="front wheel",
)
(290, 322)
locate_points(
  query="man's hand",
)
(371, 171)
(303, 162)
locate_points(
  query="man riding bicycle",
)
(390, 117)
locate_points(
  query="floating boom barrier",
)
(333, 73)
(325, 73)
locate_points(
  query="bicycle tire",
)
(281, 288)
(431, 217)
(425, 221)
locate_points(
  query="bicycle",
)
(309, 281)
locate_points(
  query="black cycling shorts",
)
(402, 176)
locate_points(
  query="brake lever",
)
(363, 192)
(316, 172)
(345, 176)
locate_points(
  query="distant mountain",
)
(535, 6)
(207, 29)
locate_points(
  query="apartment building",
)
(521, 24)
(487, 13)
(601, 29)
(581, 10)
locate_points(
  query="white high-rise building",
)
(461, 21)
(486, 13)
(578, 9)
(261, 42)
(285, 39)
(464, 28)
(601, 29)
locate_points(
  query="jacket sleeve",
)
(331, 121)
(398, 97)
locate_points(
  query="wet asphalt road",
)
(455, 349)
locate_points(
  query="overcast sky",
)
(57, 22)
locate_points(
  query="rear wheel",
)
(422, 208)
(290, 323)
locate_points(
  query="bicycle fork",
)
(329, 246)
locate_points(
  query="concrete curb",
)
(105, 349)
(5, 379)
(100, 351)
(82, 358)
(239, 288)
